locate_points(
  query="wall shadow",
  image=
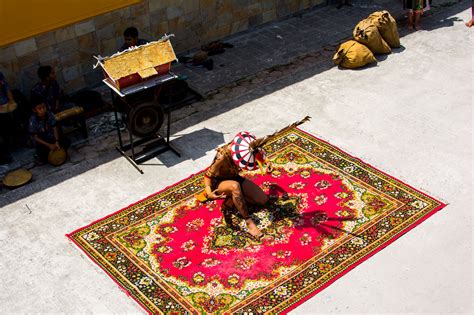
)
(206, 139)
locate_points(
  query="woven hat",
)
(243, 155)
(17, 178)
(57, 157)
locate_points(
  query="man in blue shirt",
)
(48, 89)
(130, 36)
(44, 131)
(6, 104)
(5, 93)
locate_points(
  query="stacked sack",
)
(387, 27)
(376, 34)
(352, 54)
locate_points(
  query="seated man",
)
(49, 90)
(130, 36)
(7, 104)
(14, 109)
(44, 131)
(6, 95)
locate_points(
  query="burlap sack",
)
(352, 54)
(387, 27)
(367, 33)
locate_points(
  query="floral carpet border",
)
(440, 206)
(304, 294)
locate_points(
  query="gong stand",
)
(141, 97)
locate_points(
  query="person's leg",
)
(232, 189)
(42, 153)
(227, 208)
(5, 157)
(417, 20)
(64, 142)
(471, 22)
(410, 19)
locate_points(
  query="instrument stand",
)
(153, 144)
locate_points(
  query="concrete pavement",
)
(410, 115)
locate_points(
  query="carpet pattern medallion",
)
(328, 212)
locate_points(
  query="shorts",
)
(215, 181)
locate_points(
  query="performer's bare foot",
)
(253, 229)
(410, 27)
(418, 28)
(470, 23)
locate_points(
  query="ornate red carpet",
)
(328, 212)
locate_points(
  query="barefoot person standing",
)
(415, 11)
(471, 21)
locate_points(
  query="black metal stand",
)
(153, 144)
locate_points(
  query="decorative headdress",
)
(247, 151)
(242, 154)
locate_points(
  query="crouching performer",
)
(222, 179)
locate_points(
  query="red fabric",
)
(328, 212)
(298, 243)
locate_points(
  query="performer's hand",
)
(52, 147)
(215, 195)
(57, 146)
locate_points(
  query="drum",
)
(17, 178)
(70, 112)
(57, 157)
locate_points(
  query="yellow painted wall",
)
(20, 19)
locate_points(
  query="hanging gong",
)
(145, 119)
